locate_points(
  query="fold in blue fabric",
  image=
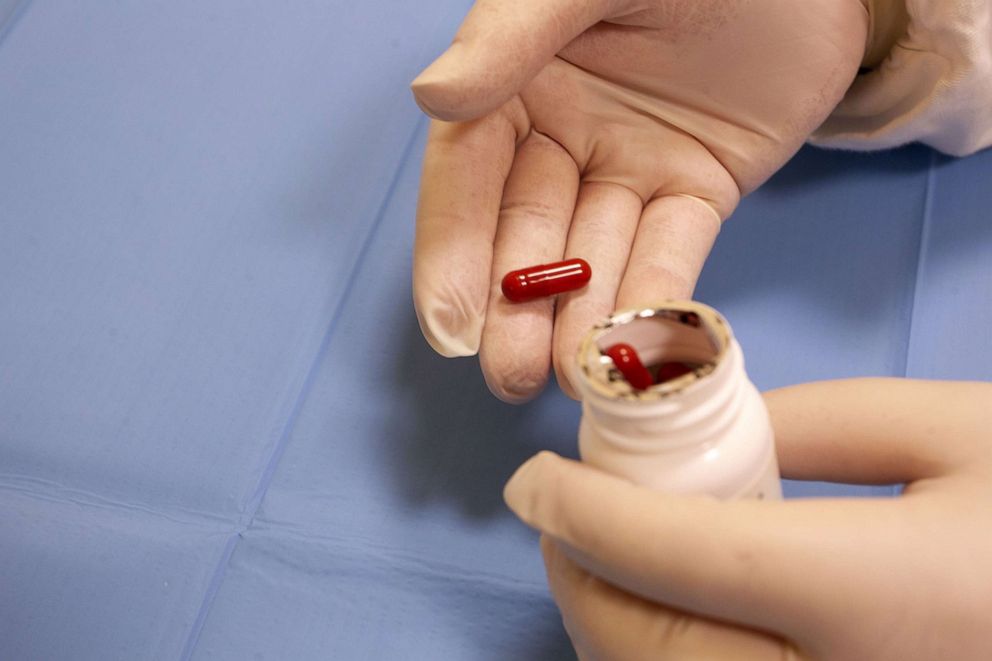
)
(221, 435)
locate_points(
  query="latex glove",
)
(622, 132)
(643, 575)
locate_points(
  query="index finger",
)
(465, 167)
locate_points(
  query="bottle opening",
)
(678, 342)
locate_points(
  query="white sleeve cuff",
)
(934, 87)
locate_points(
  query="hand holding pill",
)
(621, 133)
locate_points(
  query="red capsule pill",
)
(673, 370)
(546, 280)
(629, 363)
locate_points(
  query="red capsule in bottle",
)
(672, 370)
(629, 363)
(546, 280)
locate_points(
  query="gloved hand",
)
(642, 575)
(619, 131)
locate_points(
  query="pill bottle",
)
(705, 432)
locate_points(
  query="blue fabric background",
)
(221, 435)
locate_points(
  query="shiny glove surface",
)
(643, 575)
(621, 132)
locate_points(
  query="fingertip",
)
(452, 100)
(434, 95)
(523, 487)
(450, 330)
(513, 384)
(512, 396)
(432, 88)
(515, 355)
(421, 95)
(447, 90)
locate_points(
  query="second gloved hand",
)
(639, 574)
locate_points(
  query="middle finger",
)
(538, 201)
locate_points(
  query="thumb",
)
(500, 47)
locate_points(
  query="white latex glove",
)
(619, 131)
(643, 575)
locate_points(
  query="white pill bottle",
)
(705, 432)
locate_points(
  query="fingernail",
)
(422, 104)
(440, 70)
(424, 88)
(430, 87)
(449, 331)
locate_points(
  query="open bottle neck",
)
(695, 408)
